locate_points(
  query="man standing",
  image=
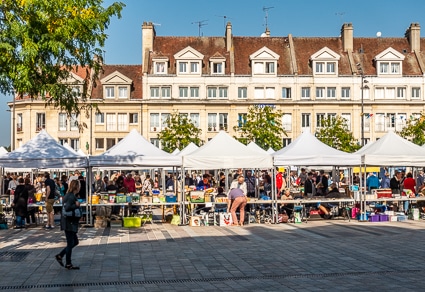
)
(250, 184)
(130, 183)
(324, 180)
(50, 200)
(419, 181)
(372, 182)
(309, 188)
(99, 184)
(280, 182)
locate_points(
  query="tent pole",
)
(182, 200)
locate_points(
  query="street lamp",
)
(363, 86)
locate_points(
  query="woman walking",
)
(71, 214)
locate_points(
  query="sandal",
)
(71, 267)
(59, 259)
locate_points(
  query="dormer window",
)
(160, 64)
(264, 62)
(217, 68)
(217, 64)
(189, 62)
(110, 92)
(389, 63)
(325, 62)
(116, 85)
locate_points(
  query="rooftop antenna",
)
(200, 24)
(266, 10)
(341, 15)
(224, 18)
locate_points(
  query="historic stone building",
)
(215, 79)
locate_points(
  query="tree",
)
(263, 125)
(41, 41)
(414, 130)
(179, 133)
(334, 132)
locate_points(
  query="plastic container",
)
(132, 222)
(95, 199)
(121, 199)
(112, 198)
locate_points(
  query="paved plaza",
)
(333, 255)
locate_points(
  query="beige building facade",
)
(215, 79)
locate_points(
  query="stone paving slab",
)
(330, 255)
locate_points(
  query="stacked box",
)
(393, 218)
(195, 221)
(401, 218)
(383, 217)
(374, 218)
(132, 222)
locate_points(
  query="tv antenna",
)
(266, 10)
(224, 18)
(341, 15)
(200, 24)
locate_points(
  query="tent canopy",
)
(309, 151)
(392, 150)
(252, 145)
(188, 149)
(224, 152)
(42, 152)
(133, 151)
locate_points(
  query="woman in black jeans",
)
(71, 215)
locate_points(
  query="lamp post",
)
(363, 86)
(12, 146)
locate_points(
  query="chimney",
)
(347, 37)
(228, 36)
(148, 34)
(413, 35)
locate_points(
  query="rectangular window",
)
(75, 144)
(160, 67)
(286, 92)
(110, 142)
(286, 141)
(319, 120)
(258, 67)
(345, 92)
(390, 121)
(155, 141)
(330, 67)
(100, 143)
(416, 92)
(164, 120)
(395, 68)
(401, 92)
(383, 68)
(111, 122)
(40, 121)
(320, 67)
(100, 119)
(379, 93)
(401, 121)
(320, 92)
(212, 122)
(380, 122)
(183, 92)
(19, 123)
(63, 120)
(76, 91)
(62, 141)
(110, 92)
(287, 122)
(259, 93)
(165, 91)
(194, 92)
(305, 120)
(122, 122)
(154, 122)
(331, 92)
(305, 93)
(194, 67)
(212, 92)
(242, 92)
(222, 92)
(154, 92)
(122, 92)
(183, 67)
(347, 119)
(269, 67)
(270, 92)
(134, 118)
(194, 118)
(74, 122)
(367, 119)
(390, 93)
(217, 68)
(241, 119)
(223, 122)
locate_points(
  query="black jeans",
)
(71, 242)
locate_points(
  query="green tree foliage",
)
(179, 133)
(41, 41)
(263, 125)
(334, 132)
(415, 130)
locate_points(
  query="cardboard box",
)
(393, 218)
(225, 219)
(197, 196)
(146, 200)
(384, 193)
(195, 221)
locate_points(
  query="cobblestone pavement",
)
(333, 255)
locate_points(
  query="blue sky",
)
(299, 18)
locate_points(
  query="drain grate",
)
(265, 277)
(13, 256)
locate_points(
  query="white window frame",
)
(111, 122)
(347, 117)
(194, 118)
(287, 122)
(99, 143)
(305, 93)
(73, 122)
(320, 92)
(109, 92)
(160, 67)
(319, 118)
(122, 122)
(100, 118)
(401, 120)
(122, 92)
(160, 92)
(401, 93)
(286, 92)
(217, 68)
(74, 143)
(416, 93)
(62, 122)
(345, 93)
(380, 122)
(242, 92)
(154, 122)
(390, 68)
(305, 120)
(242, 119)
(133, 118)
(331, 92)
(40, 122)
(217, 92)
(390, 121)
(212, 125)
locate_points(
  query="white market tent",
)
(225, 152)
(188, 149)
(270, 150)
(392, 150)
(252, 145)
(176, 151)
(307, 150)
(42, 152)
(3, 150)
(132, 151)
